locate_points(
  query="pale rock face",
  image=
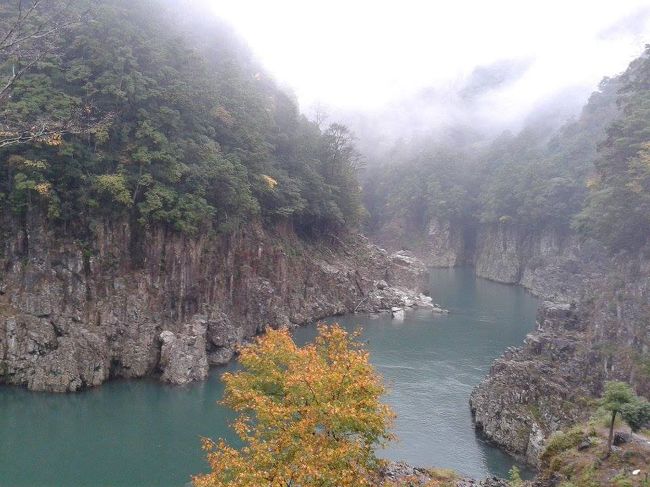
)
(183, 357)
(498, 253)
(552, 264)
(223, 338)
(536, 443)
(444, 245)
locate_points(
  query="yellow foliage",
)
(223, 116)
(593, 182)
(308, 416)
(22, 163)
(54, 140)
(270, 182)
(43, 188)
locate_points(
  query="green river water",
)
(140, 432)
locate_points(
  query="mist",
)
(406, 69)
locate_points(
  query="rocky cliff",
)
(550, 262)
(126, 302)
(551, 381)
(443, 244)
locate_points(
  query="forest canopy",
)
(143, 110)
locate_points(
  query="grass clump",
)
(561, 441)
(441, 477)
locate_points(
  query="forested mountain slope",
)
(442, 194)
(169, 128)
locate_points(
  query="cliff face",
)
(442, 244)
(130, 303)
(548, 383)
(534, 390)
(549, 262)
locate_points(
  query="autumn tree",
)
(308, 416)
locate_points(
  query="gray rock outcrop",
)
(131, 303)
(549, 382)
(183, 356)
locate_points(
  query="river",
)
(141, 432)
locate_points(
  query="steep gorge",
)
(547, 261)
(592, 326)
(517, 225)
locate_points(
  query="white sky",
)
(363, 54)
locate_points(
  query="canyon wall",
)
(127, 302)
(550, 262)
(442, 244)
(552, 380)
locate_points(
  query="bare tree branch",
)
(49, 130)
(30, 32)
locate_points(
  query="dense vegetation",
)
(618, 207)
(592, 174)
(523, 178)
(307, 415)
(138, 112)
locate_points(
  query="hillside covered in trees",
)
(155, 112)
(589, 175)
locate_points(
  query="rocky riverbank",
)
(400, 474)
(551, 381)
(131, 303)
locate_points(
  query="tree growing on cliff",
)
(308, 415)
(617, 396)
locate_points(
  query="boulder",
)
(183, 356)
(621, 438)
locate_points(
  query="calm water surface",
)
(144, 433)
